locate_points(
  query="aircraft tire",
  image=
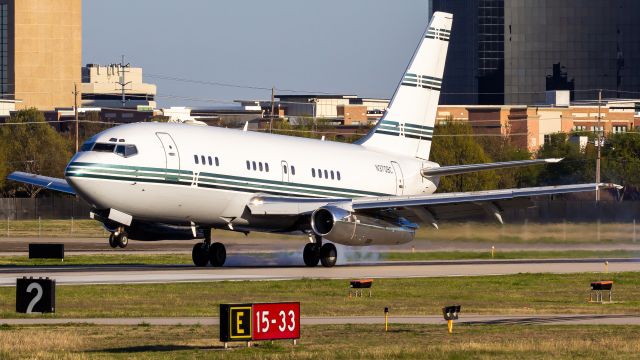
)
(217, 254)
(122, 240)
(328, 255)
(112, 241)
(311, 255)
(199, 255)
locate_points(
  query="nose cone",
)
(83, 186)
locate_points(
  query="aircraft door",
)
(171, 155)
(285, 171)
(399, 178)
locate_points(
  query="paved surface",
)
(256, 243)
(582, 319)
(118, 274)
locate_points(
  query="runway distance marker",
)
(260, 321)
(35, 295)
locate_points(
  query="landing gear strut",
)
(206, 252)
(315, 252)
(119, 238)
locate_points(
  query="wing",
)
(461, 169)
(42, 181)
(431, 208)
(424, 208)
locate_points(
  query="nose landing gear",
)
(119, 238)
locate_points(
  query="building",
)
(231, 115)
(40, 51)
(530, 126)
(513, 51)
(101, 87)
(348, 109)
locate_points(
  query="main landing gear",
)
(315, 252)
(207, 252)
(119, 238)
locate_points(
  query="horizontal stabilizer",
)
(461, 169)
(46, 182)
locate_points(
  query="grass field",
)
(506, 295)
(476, 232)
(128, 258)
(324, 342)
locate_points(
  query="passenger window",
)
(195, 158)
(254, 165)
(320, 173)
(338, 175)
(313, 172)
(248, 165)
(293, 170)
(331, 174)
(326, 174)
(266, 167)
(260, 165)
(284, 168)
(217, 162)
(210, 161)
(203, 160)
(102, 147)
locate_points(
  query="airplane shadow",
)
(155, 348)
(545, 320)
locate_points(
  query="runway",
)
(127, 274)
(548, 319)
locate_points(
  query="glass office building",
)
(512, 51)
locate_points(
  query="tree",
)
(455, 145)
(621, 161)
(4, 168)
(500, 148)
(578, 165)
(90, 125)
(33, 146)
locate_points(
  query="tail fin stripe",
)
(387, 133)
(418, 126)
(443, 38)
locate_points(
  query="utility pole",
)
(273, 95)
(122, 70)
(75, 110)
(599, 146)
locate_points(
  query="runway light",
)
(386, 319)
(358, 285)
(451, 313)
(493, 250)
(598, 288)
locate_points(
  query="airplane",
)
(154, 181)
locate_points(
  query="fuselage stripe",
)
(183, 177)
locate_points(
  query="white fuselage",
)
(167, 181)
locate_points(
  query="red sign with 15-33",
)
(276, 321)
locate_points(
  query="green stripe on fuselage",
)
(111, 172)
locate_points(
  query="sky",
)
(358, 47)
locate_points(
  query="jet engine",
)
(357, 229)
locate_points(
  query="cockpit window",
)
(126, 150)
(87, 146)
(102, 147)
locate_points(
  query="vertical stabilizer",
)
(407, 126)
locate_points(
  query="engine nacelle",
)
(347, 228)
